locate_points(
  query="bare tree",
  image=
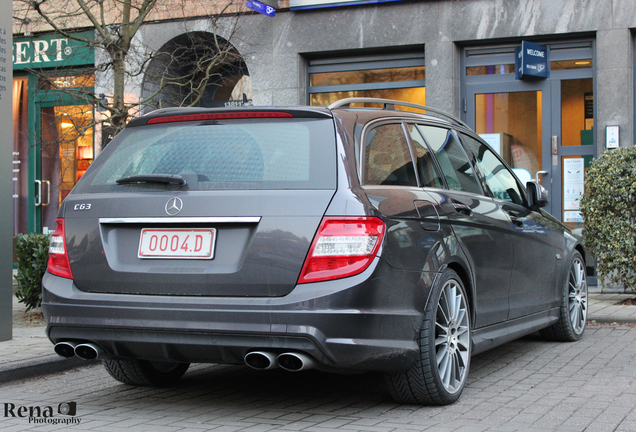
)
(179, 74)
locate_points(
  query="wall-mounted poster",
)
(573, 183)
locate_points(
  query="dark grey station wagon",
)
(340, 238)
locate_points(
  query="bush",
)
(609, 215)
(32, 251)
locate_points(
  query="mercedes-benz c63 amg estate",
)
(341, 238)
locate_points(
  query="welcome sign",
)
(532, 60)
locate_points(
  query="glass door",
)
(65, 146)
(515, 119)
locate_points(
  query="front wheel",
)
(439, 374)
(573, 310)
(145, 372)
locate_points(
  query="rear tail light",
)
(343, 246)
(58, 256)
(220, 116)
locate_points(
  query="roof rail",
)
(390, 104)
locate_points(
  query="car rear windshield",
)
(236, 154)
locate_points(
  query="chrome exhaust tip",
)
(261, 360)
(89, 351)
(294, 362)
(65, 349)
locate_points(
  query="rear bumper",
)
(365, 322)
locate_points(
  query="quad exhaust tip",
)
(261, 360)
(291, 361)
(65, 349)
(88, 351)
(83, 350)
(294, 362)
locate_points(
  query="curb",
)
(609, 320)
(42, 366)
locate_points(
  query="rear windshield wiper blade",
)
(153, 178)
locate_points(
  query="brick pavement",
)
(526, 385)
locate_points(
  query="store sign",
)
(315, 4)
(52, 51)
(532, 60)
(261, 8)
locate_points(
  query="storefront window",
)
(399, 76)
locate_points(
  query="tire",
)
(445, 334)
(573, 310)
(145, 372)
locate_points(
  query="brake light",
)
(342, 247)
(219, 116)
(58, 256)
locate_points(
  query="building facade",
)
(458, 56)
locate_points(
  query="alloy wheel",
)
(452, 337)
(577, 295)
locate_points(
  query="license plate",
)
(177, 243)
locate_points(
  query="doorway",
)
(542, 128)
(64, 148)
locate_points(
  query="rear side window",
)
(290, 154)
(387, 158)
(428, 172)
(457, 170)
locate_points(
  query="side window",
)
(457, 170)
(426, 168)
(387, 159)
(499, 179)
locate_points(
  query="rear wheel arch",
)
(464, 275)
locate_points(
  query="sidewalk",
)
(30, 353)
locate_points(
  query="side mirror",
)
(536, 195)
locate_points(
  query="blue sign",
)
(261, 8)
(532, 60)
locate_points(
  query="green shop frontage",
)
(53, 143)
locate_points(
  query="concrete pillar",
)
(615, 85)
(443, 76)
(6, 174)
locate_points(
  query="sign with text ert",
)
(532, 61)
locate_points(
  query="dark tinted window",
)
(294, 154)
(387, 158)
(499, 179)
(457, 170)
(426, 168)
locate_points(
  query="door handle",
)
(48, 193)
(38, 198)
(463, 209)
(514, 217)
(540, 173)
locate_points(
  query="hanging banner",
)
(261, 8)
(532, 60)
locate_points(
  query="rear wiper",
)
(153, 178)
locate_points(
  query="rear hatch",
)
(256, 188)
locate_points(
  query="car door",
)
(533, 276)
(477, 221)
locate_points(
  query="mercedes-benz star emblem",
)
(174, 206)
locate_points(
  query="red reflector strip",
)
(219, 116)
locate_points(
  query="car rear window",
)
(243, 154)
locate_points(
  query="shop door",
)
(65, 149)
(514, 118)
(543, 129)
